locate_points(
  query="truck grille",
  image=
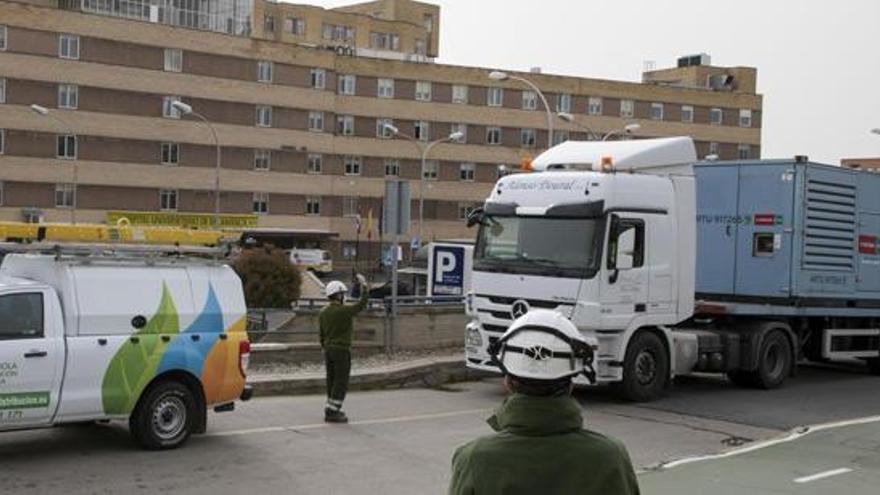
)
(533, 303)
(830, 226)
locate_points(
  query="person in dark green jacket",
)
(540, 445)
(336, 324)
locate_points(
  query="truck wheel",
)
(164, 417)
(645, 369)
(774, 361)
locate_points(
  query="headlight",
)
(474, 338)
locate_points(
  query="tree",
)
(270, 280)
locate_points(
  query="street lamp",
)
(627, 129)
(424, 148)
(567, 117)
(503, 76)
(44, 112)
(185, 109)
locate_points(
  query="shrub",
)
(270, 280)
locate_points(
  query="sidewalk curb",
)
(420, 373)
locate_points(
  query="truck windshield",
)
(560, 247)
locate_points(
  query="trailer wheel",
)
(645, 369)
(164, 417)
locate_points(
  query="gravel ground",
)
(376, 361)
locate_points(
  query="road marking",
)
(795, 434)
(366, 422)
(823, 475)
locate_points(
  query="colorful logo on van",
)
(161, 347)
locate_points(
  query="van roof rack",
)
(85, 252)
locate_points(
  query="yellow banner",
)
(184, 220)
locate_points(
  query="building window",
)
(68, 96)
(713, 148)
(319, 78)
(2, 37)
(66, 147)
(316, 121)
(627, 108)
(168, 199)
(422, 130)
(352, 165)
(656, 111)
(745, 118)
(744, 152)
(431, 170)
(1, 193)
(333, 32)
(264, 116)
(383, 129)
(493, 135)
(563, 102)
(261, 204)
(594, 105)
(68, 46)
(716, 116)
(495, 97)
(2, 141)
(269, 24)
(168, 110)
(264, 71)
(2, 90)
(528, 138)
(423, 90)
(350, 206)
(313, 206)
(462, 130)
(314, 163)
(170, 153)
(421, 47)
(467, 172)
(64, 195)
(465, 210)
(392, 168)
(173, 60)
(560, 137)
(345, 125)
(428, 21)
(384, 41)
(460, 94)
(529, 100)
(262, 160)
(295, 26)
(687, 113)
(386, 88)
(349, 251)
(347, 84)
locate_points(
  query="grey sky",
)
(818, 61)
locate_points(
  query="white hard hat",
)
(543, 345)
(335, 287)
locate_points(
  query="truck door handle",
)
(36, 354)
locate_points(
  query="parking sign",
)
(447, 270)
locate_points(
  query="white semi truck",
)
(613, 236)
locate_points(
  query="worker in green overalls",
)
(336, 323)
(541, 445)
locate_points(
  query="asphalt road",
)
(401, 442)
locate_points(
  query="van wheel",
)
(164, 417)
(645, 369)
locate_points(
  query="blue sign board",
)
(448, 271)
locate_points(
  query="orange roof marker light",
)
(607, 164)
(526, 164)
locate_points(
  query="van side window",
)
(620, 226)
(21, 316)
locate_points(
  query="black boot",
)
(331, 416)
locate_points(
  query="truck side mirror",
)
(475, 217)
(626, 248)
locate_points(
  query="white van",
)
(316, 260)
(155, 342)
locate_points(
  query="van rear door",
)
(31, 357)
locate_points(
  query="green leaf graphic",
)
(135, 364)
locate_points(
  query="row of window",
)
(347, 34)
(69, 48)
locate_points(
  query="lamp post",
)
(503, 76)
(424, 148)
(44, 112)
(567, 117)
(185, 109)
(627, 129)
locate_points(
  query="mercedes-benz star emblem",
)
(519, 308)
(538, 353)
